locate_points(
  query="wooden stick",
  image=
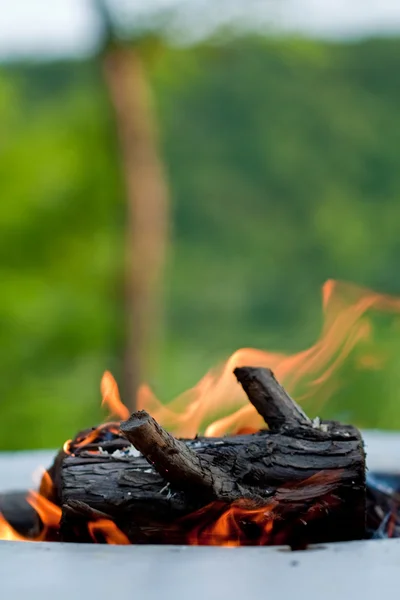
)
(173, 459)
(270, 400)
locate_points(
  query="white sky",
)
(37, 28)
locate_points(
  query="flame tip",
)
(111, 397)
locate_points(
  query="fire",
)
(235, 525)
(245, 522)
(45, 482)
(92, 436)
(109, 531)
(48, 512)
(111, 397)
(50, 516)
(112, 400)
(8, 533)
(218, 406)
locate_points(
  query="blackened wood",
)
(174, 460)
(310, 478)
(268, 467)
(270, 399)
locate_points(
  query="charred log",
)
(308, 477)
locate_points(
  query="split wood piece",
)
(316, 476)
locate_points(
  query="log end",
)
(136, 420)
(247, 374)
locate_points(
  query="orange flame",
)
(46, 483)
(227, 529)
(111, 397)
(8, 533)
(219, 401)
(242, 523)
(48, 512)
(92, 435)
(109, 531)
(50, 516)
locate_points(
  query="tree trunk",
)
(297, 483)
(147, 216)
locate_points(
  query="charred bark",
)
(309, 476)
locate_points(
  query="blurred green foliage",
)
(284, 170)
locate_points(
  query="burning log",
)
(298, 482)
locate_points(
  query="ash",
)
(121, 453)
(318, 425)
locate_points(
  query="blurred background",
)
(178, 179)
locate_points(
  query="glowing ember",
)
(46, 484)
(235, 525)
